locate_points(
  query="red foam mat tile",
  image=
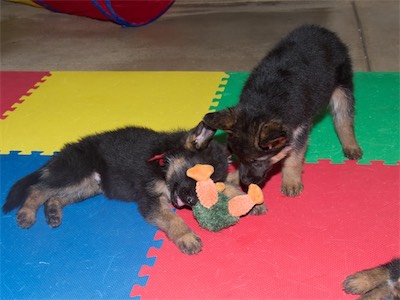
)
(14, 85)
(347, 219)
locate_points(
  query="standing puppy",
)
(307, 71)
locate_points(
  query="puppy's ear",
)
(200, 136)
(272, 135)
(224, 119)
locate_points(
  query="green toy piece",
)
(215, 211)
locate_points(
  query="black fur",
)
(307, 70)
(394, 269)
(119, 164)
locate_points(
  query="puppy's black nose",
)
(245, 180)
(191, 200)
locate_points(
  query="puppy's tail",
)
(20, 191)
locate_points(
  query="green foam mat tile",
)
(376, 122)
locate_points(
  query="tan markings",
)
(395, 288)
(232, 187)
(36, 198)
(233, 178)
(281, 155)
(190, 142)
(340, 104)
(291, 172)
(88, 187)
(175, 166)
(176, 229)
(39, 194)
(26, 215)
(364, 281)
(159, 189)
(53, 211)
(343, 120)
(385, 291)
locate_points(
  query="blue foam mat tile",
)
(97, 252)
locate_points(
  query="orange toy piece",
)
(200, 172)
(207, 192)
(215, 210)
(206, 189)
(241, 205)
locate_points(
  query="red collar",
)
(160, 158)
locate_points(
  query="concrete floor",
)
(194, 35)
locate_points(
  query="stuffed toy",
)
(214, 210)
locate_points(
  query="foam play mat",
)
(347, 218)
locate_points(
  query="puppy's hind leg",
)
(342, 106)
(53, 211)
(88, 187)
(26, 215)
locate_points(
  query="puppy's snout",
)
(191, 200)
(246, 180)
(188, 196)
(253, 173)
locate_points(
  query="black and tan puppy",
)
(379, 283)
(307, 71)
(123, 164)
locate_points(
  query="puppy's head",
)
(182, 187)
(258, 142)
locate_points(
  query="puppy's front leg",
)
(292, 169)
(175, 228)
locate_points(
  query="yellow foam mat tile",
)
(70, 105)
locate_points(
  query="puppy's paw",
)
(353, 153)
(53, 213)
(26, 217)
(259, 209)
(362, 282)
(54, 219)
(189, 243)
(353, 285)
(382, 292)
(292, 189)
